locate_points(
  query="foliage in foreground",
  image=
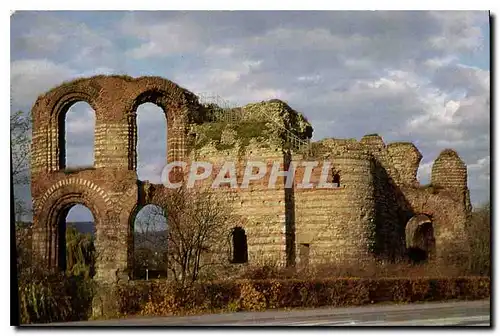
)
(45, 297)
(51, 297)
(63, 297)
(160, 298)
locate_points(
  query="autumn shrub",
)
(479, 235)
(257, 295)
(366, 269)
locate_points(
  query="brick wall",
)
(365, 215)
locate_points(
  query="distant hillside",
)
(154, 240)
(83, 227)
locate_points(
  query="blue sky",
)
(409, 76)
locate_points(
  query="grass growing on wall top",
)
(245, 131)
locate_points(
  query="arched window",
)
(150, 243)
(76, 137)
(240, 247)
(76, 236)
(336, 179)
(151, 142)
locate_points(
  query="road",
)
(464, 313)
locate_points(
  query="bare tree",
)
(150, 241)
(198, 222)
(479, 231)
(20, 127)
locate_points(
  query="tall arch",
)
(76, 129)
(180, 106)
(49, 113)
(50, 214)
(151, 144)
(147, 242)
(55, 228)
(76, 234)
(114, 100)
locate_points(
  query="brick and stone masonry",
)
(376, 206)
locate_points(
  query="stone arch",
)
(49, 113)
(113, 98)
(54, 210)
(179, 105)
(131, 236)
(73, 183)
(58, 100)
(447, 215)
(419, 236)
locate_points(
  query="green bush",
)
(53, 297)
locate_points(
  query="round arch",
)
(52, 105)
(134, 269)
(114, 99)
(420, 241)
(56, 227)
(448, 217)
(53, 210)
(50, 109)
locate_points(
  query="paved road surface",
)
(471, 313)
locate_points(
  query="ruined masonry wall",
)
(337, 223)
(365, 216)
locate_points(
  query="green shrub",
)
(53, 297)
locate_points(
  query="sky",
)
(422, 77)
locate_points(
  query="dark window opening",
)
(240, 246)
(423, 244)
(336, 180)
(417, 255)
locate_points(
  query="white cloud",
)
(479, 164)
(151, 171)
(31, 78)
(52, 35)
(394, 73)
(160, 39)
(80, 120)
(424, 172)
(459, 30)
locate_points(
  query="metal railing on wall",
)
(226, 111)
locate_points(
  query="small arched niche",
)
(420, 240)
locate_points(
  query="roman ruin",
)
(377, 208)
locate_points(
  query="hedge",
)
(160, 297)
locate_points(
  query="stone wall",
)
(364, 216)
